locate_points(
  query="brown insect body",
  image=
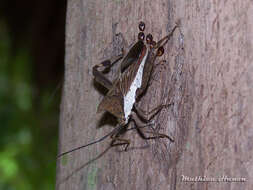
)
(113, 102)
(134, 77)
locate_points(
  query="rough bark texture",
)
(208, 75)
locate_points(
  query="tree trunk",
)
(208, 76)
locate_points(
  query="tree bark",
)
(208, 76)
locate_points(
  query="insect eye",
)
(149, 39)
(142, 26)
(141, 36)
(160, 51)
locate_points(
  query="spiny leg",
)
(123, 142)
(99, 77)
(164, 40)
(117, 140)
(139, 124)
(148, 115)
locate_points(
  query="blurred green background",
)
(31, 76)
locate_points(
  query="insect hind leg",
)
(140, 124)
(148, 115)
(121, 143)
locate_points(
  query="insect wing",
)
(132, 56)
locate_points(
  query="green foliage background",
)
(28, 135)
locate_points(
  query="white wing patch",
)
(129, 98)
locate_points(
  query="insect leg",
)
(139, 124)
(148, 115)
(122, 142)
(164, 40)
(99, 77)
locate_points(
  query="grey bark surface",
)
(208, 75)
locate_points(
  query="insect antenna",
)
(164, 40)
(87, 163)
(115, 130)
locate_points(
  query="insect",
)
(132, 81)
